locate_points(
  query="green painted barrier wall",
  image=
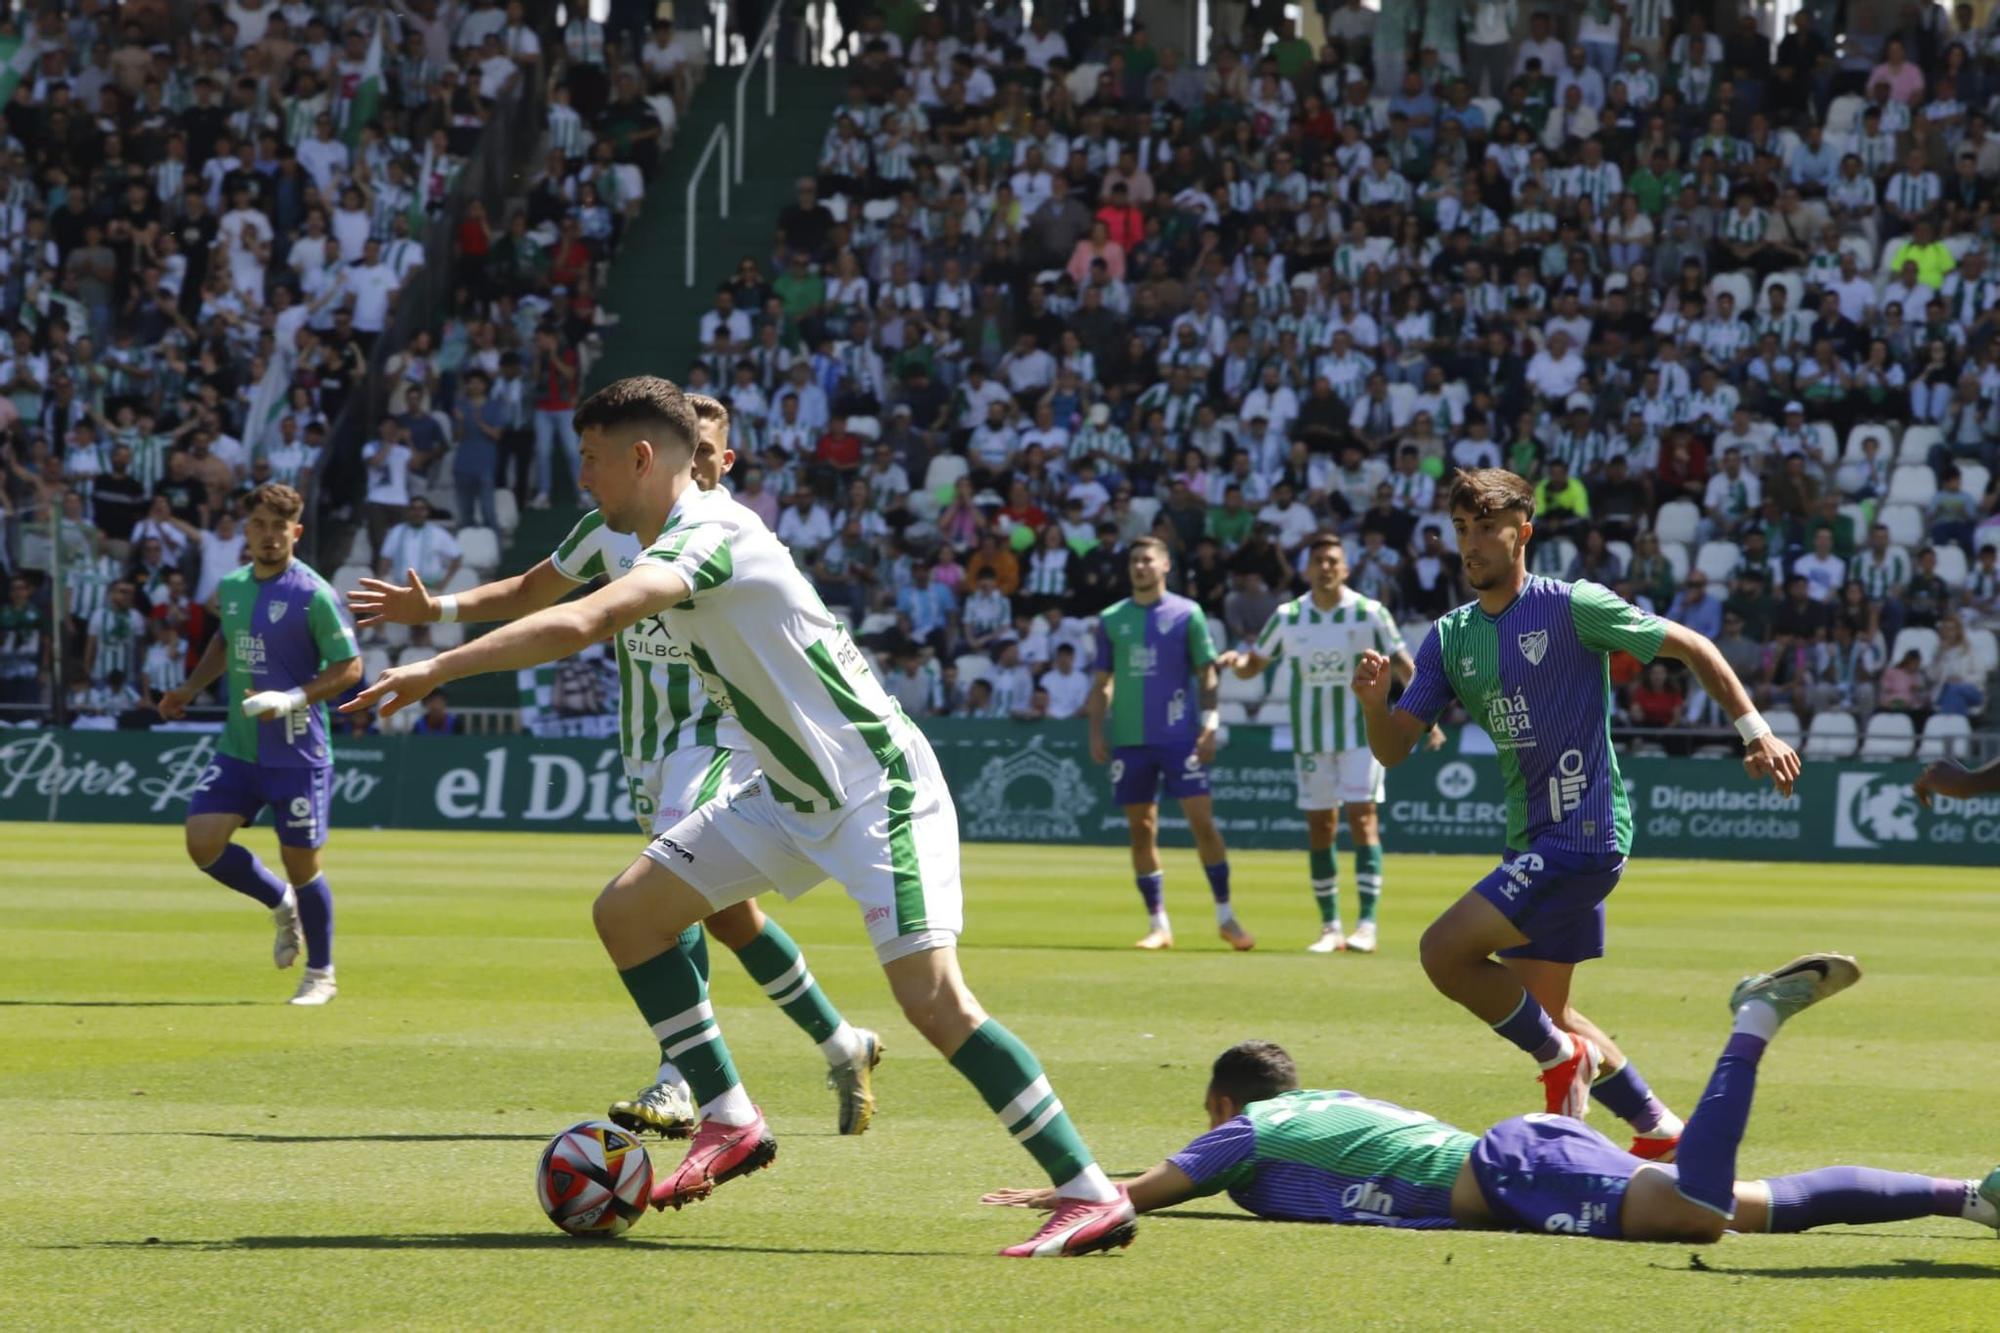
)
(1029, 783)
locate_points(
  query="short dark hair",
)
(655, 406)
(1155, 542)
(1253, 1071)
(1484, 491)
(1324, 539)
(277, 497)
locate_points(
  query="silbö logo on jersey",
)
(1507, 721)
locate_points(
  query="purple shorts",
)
(300, 798)
(1555, 898)
(1555, 1174)
(1136, 771)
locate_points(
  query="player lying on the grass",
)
(1949, 778)
(1316, 639)
(287, 649)
(1301, 1156)
(680, 752)
(1530, 661)
(849, 790)
(1155, 686)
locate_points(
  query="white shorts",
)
(894, 849)
(667, 790)
(1346, 777)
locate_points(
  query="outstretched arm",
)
(1948, 778)
(1158, 1187)
(503, 599)
(545, 636)
(1764, 754)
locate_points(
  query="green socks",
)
(775, 963)
(1326, 884)
(1368, 878)
(1011, 1080)
(673, 999)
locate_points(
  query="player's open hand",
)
(172, 705)
(1769, 757)
(385, 603)
(1944, 778)
(1100, 753)
(1043, 1198)
(1205, 746)
(396, 689)
(1371, 678)
(1434, 740)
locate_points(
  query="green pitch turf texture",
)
(183, 1150)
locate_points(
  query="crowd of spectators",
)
(205, 234)
(1727, 300)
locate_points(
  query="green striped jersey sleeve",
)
(580, 558)
(1271, 640)
(1607, 623)
(700, 553)
(1388, 634)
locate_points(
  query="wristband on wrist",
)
(1751, 726)
(1211, 719)
(447, 608)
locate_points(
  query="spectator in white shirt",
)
(805, 527)
(421, 545)
(1292, 521)
(1068, 689)
(372, 288)
(1824, 571)
(1553, 371)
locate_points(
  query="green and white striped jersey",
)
(774, 658)
(1317, 650)
(661, 704)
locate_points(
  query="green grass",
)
(183, 1151)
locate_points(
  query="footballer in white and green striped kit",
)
(849, 789)
(1314, 642)
(680, 752)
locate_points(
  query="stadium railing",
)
(766, 51)
(718, 139)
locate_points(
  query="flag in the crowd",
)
(363, 107)
(17, 57)
(267, 402)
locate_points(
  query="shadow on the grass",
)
(1894, 1268)
(494, 1240)
(1201, 1215)
(126, 1004)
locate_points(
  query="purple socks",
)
(1153, 889)
(1218, 880)
(316, 920)
(1626, 1096)
(1707, 1157)
(1858, 1194)
(238, 868)
(1529, 1028)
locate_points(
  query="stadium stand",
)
(1725, 296)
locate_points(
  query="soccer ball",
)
(594, 1179)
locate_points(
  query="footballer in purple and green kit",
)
(1529, 659)
(284, 648)
(1153, 717)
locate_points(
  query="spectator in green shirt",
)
(1230, 522)
(1562, 505)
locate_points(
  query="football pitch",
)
(184, 1150)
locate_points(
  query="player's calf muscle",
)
(934, 997)
(640, 914)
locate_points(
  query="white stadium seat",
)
(348, 577)
(1738, 286)
(415, 654)
(1843, 114)
(1951, 565)
(1985, 647)
(1622, 551)
(1786, 724)
(362, 552)
(1946, 736)
(1905, 523)
(1974, 479)
(1831, 736)
(448, 636)
(1146, 508)
(1916, 444)
(374, 661)
(973, 666)
(1861, 248)
(505, 508)
(1717, 560)
(1911, 485)
(480, 547)
(868, 428)
(1795, 290)
(1925, 641)
(1232, 714)
(1677, 521)
(1890, 736)
(1676, 556)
